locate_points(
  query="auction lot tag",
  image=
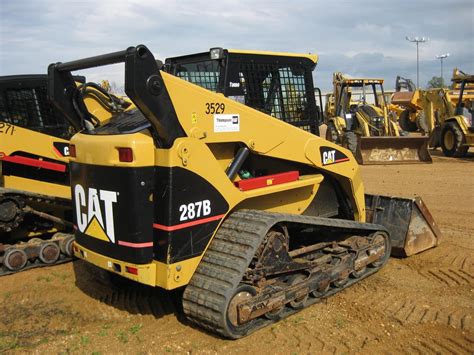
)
(226, 123)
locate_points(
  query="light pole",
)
(441, 57)
(417, 40)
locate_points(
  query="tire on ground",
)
(331, 133)
(351, 142)
(452, 140)
(405, 123)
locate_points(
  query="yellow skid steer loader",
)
(254, 217)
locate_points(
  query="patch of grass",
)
(167, 349)
(340, 322)
(96, 353)
(60, 275)
(7, 295)
(298, 320)
(44, 278)
(103, 333)
(8, 343)
(122, 336)
(136, 328)
(85, 340)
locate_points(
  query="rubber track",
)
(35, 197)
(33, 265)
(31, 196)
(227, 258)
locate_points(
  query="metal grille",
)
(29, 108)
(204, 74)
(280, 91)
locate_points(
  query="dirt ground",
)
(423, 304)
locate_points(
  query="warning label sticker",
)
(226, 123)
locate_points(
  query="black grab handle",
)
(92, 62)
(144, 85)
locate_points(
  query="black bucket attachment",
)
(392, 150)
(412, 228)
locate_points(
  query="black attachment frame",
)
(144, 85)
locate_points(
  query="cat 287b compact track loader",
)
(35, 202)
(254, 217)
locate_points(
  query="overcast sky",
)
(360, 37)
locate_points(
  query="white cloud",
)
(360, 37)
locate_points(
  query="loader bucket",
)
(412, 228)
(392, 150)
(408, 99)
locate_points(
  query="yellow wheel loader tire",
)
(452, 140)
(405, 122)
(331, 134)
(350, 141)
(421, 123)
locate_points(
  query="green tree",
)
(436, 82)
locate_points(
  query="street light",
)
(417, 40)
(441, 57)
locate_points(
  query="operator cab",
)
(279, 84)
(358, 95)
(464, 104)
(24, 103)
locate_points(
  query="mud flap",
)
(412, 228)
(392, 150)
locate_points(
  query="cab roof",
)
(313, 57)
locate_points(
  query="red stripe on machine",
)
(341, 160)
(187, 224)
(135, 245)
(267, 180)
(35, 162)
(57, 152)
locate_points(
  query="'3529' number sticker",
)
(215, 107)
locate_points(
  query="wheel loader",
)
(277, 83)
(254, 217)
(448, 115)
(407, 105)
(35, 203)
(366, 128)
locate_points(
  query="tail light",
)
(131, 270)
(72, 150)
(125, 155)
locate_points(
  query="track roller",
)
(380, 244)
(300, 301)
(15, 259)
(65, 244)
(242, 293)
(49, 253)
